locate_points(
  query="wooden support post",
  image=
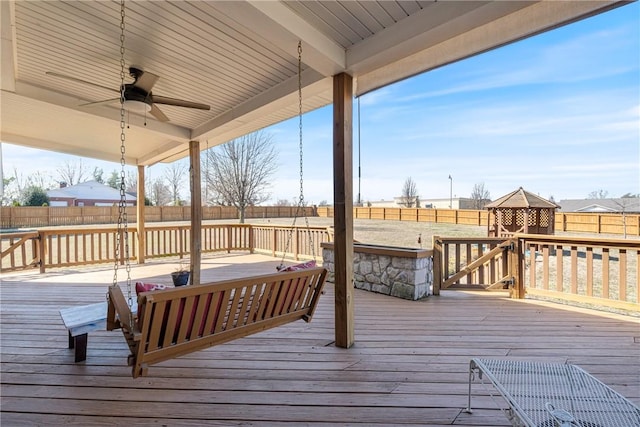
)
(437, 265)
(140, 215)
(196, 211)
(343, 208)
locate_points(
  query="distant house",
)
(619, 205)
(90, 193)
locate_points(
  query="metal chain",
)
(301, 151)
(301, 203)
(122, 230)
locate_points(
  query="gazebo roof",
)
(521, 199)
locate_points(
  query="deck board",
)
(409, 364)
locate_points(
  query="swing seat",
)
(174, 322)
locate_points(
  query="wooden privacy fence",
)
(572, 222)
(46, 216)
(600, 272)
(67, 247)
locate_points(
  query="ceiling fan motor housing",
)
(134, 93)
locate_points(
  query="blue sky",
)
(558, 114)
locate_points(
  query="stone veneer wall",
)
(399, 272)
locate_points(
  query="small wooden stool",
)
(80, 321)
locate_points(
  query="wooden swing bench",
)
(177, 321)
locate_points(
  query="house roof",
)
(521, 199)
(627, 204)
(239, 57)
(89, 190)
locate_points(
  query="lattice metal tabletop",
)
(554, 394)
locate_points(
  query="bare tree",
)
(131, 182)
(72, 173)
(480, 196)
(175, 175)
(159, 192)
(98, 175)
(409, 193)
(283, 202)
(17, 186)
(239, 171)
(624, 204)
(598, 194)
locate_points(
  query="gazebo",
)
(520, 212)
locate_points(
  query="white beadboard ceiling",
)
(239, 57)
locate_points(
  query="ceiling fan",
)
(137, 95)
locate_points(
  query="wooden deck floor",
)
(409, 365)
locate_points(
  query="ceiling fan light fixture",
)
(136, 106)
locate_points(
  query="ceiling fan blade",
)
(146, 80)
(159, 115)
(74, 79)
(106, 101)
(179, 102)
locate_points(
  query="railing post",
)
(437, 265)
(251, 239)
(297, 244)
(42, 251)
(516, 261)
(229, 238)
(273, 242)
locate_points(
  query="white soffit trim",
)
(281, 27)
(8, 47)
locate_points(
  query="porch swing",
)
(173, 322)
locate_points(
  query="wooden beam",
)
(343, 208)
(140, 215)
(196, 210)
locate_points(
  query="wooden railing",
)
(468, 261)
(597, 272)
(67, 247)
(591, 271)
(299, 242)
(20, 251)
(584, 270)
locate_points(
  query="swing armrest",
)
(119, 313)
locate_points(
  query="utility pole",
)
(450, 192)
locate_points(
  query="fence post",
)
(437, 265)
(251, 239)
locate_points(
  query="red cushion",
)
(148, 287)
(294, 284)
